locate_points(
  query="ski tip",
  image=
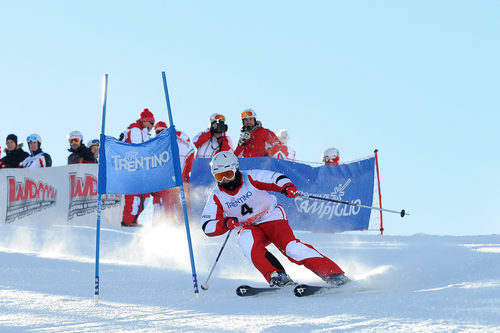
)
(242, 290)
(300, 290)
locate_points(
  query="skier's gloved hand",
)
(232, 222)
(290, 191)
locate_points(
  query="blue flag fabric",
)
(135, 168)
(352, 182)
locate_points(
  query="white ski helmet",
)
(75, 135)
(248, 113)
(33, 138)
(283, 136)
(330, 154)
(215, 116)
(224, 161)
(93, 142)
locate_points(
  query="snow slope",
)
(417, 283)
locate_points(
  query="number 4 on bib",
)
(245, 209)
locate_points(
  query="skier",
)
(255, 140)
(37, 158)
(214, 138)
(331, 156)
(137, 132)
(79, 152)
(285, 152)
(241, 199)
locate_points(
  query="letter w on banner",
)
(136, 168)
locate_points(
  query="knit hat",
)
(160, 125)
(12, 137)
(147, 115)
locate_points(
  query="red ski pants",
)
(134, 205)
(253, 240)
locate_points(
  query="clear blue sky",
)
(418, 80)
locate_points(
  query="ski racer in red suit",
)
(137, 132)
(255, 140)
(241, 199)
(213, 139)
(167, 203)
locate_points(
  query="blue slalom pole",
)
(98, 226)
(183, 197)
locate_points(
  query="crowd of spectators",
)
(254, 141)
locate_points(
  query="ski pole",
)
(204, 285)
(402, 212)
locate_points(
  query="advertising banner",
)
(58, 195)
(136, 168)
(352, 182)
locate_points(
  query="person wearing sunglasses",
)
(137, 132)
(79, 152)
(93, 145)
(167, 203)
(214, 139)
(37, 158)
(241, 200)
(255, 140)
(14, 153)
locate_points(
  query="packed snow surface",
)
(419, 283)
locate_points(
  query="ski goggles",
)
(31, 138)
(73, 140)
(219, 116)
(94, 142)
(247, 114)
(229, 174)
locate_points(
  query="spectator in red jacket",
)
(137, 132)
(255, 140)
(331, 156)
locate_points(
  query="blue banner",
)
(135, 168)
(351, 182)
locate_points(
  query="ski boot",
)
(280, 279)
(336, 280)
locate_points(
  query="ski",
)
(244, 290)
(307, 290)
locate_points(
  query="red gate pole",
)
(379, 192)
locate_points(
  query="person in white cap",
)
(331, 156)
(255, 140)
(79, 152)
(214, 139)
(37, 158)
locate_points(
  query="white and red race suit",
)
(207, 145)
(134, 204)
(265, 222)
(167, 203)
